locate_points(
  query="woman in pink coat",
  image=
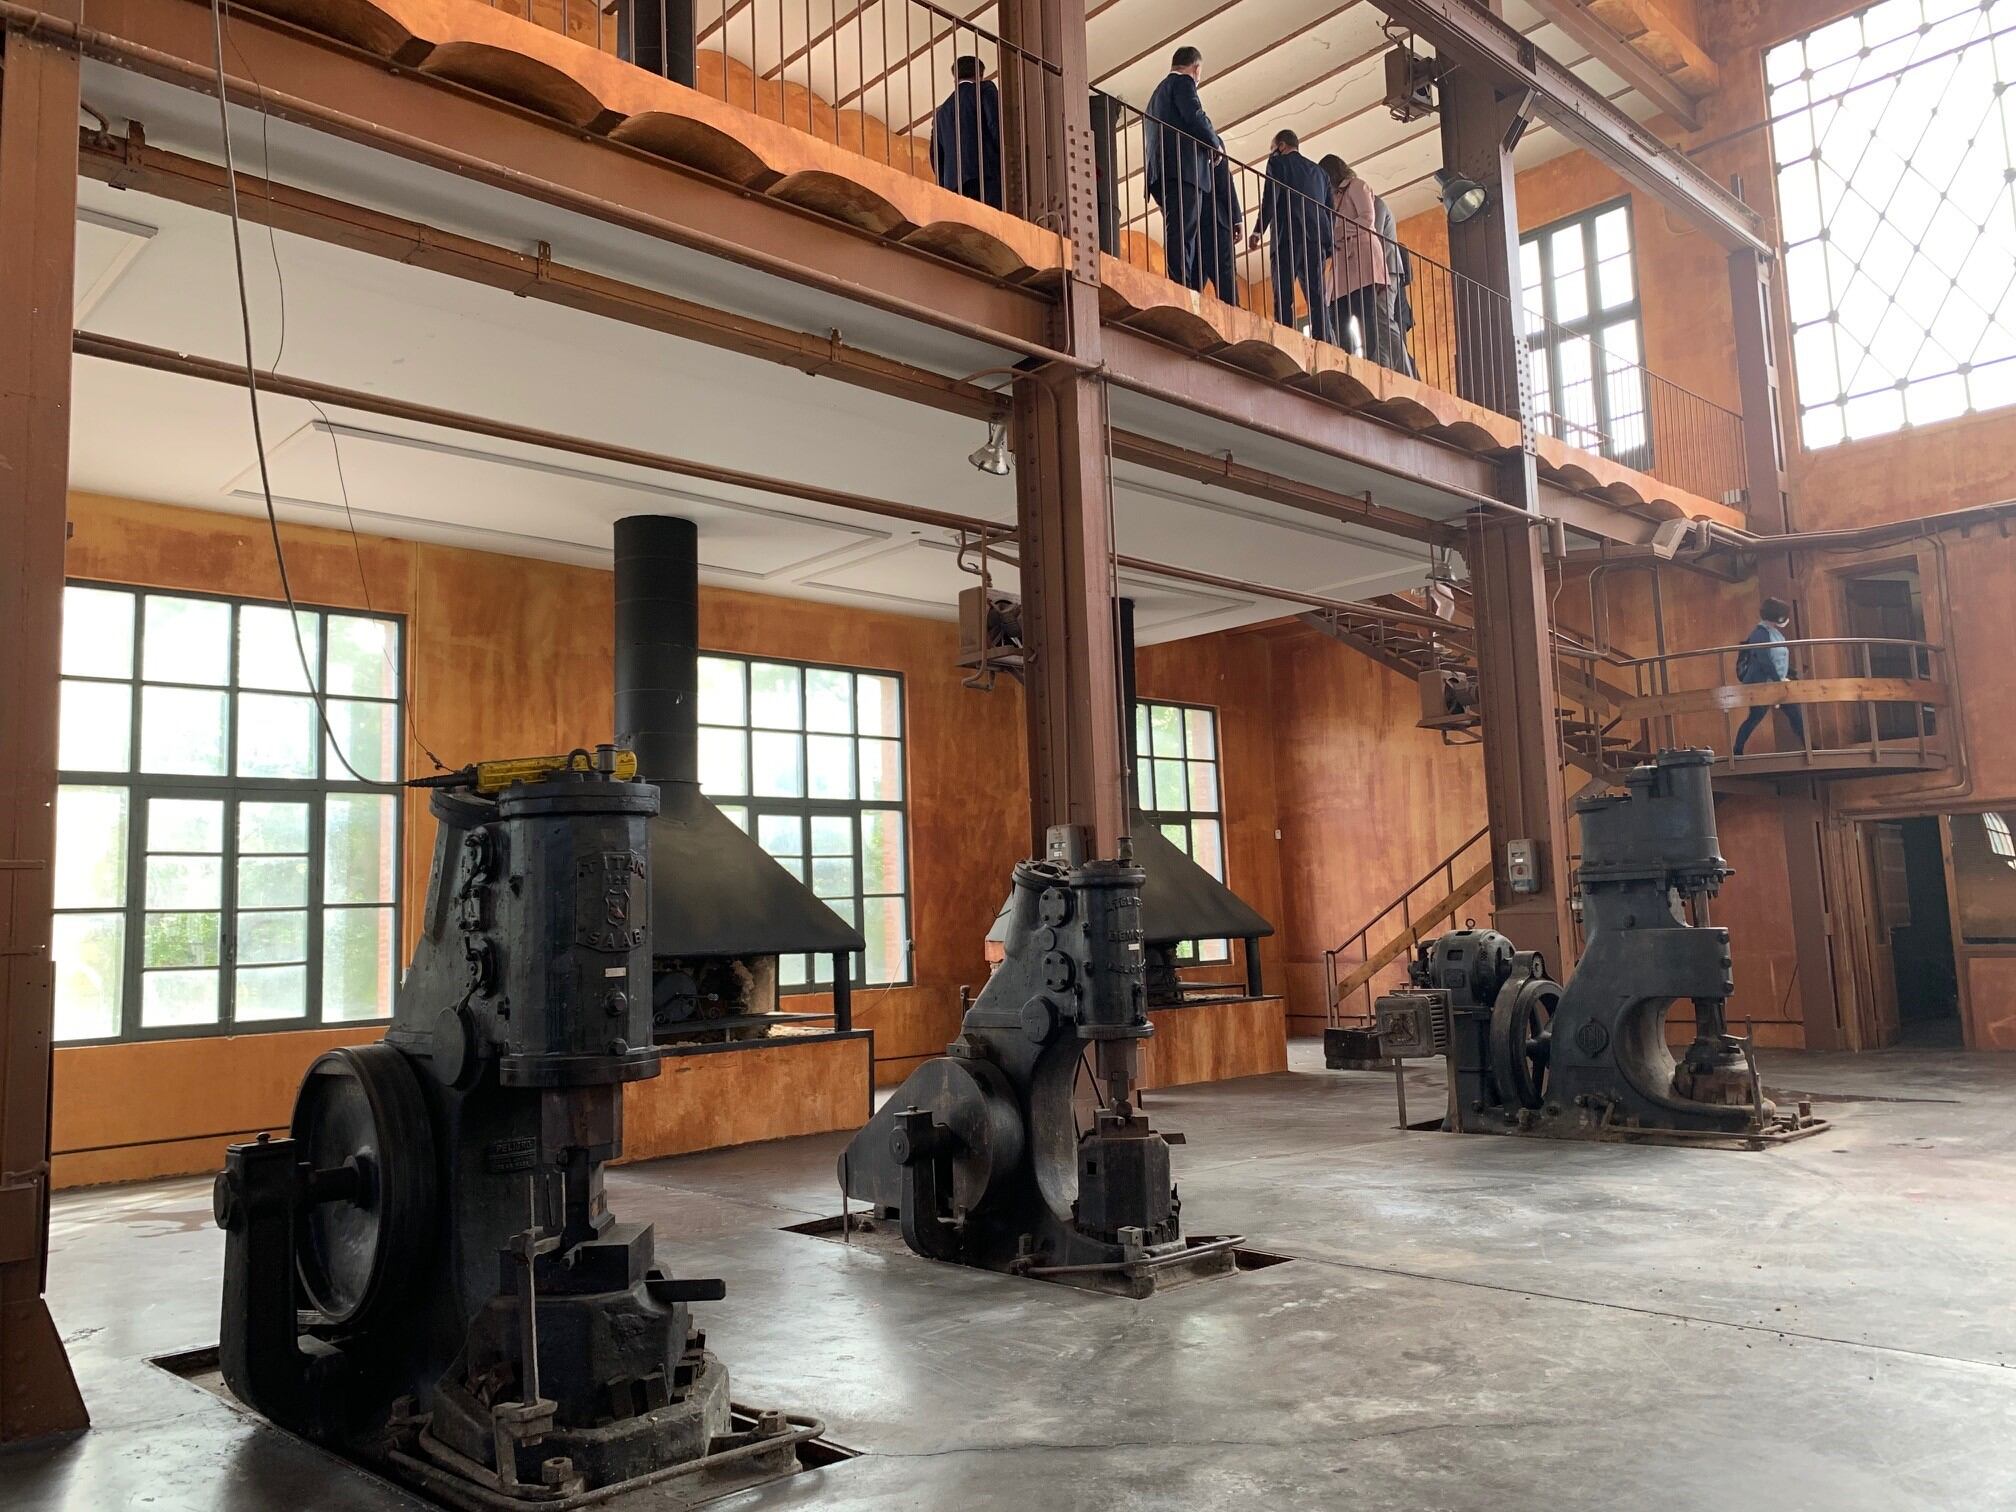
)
(1358, 268)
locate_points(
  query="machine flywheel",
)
(361, 1123)
(1522, 1039)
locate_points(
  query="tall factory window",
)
(809, 760)
(1891, 133)
(217, 868)
(1584, 335)
(1176, 775)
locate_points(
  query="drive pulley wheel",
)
(1522, 1039)
(368, 1212)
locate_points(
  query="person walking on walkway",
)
(1358, 270)
(1182, 149)
(966, 134)
(1294, 205)
(1765, 659)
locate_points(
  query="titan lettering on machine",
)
(605, 902)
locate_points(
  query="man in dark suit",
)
(1224, 218)
(1295, 206)
(1182, 150)
(966, 134)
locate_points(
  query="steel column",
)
(1063, 487)
(1802, 811)
(38, 230)
(1518, 701)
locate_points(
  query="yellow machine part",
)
(492, 777)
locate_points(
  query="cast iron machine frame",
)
(1589, 1060)
(425, 1272)
(980, 1154)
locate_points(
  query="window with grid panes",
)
(1894, 137)
(1584, 339)
(809, 760)
(217, 868)
(1176, 754)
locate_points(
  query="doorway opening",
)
(1914, 925)
(1886, 605)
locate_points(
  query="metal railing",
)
(1838, 721)
(1614, 406)
(1385, 301)
(921, 88)
(907, 83)
(1296, 256)
(1424, 904)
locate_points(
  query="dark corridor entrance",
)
(1916, 921)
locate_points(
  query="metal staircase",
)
(1593, 737)
(1423, 908)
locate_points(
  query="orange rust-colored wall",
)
(481, 626)
(731, 1097)
(169, 1107)
(1368, 803)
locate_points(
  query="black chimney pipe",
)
(1129, 720)
(658, 645)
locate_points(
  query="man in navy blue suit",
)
(1295, 205)
(966, 134)
(1182, 151)
(1218, 237)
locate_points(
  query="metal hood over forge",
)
(1179, 899)
(722, 909)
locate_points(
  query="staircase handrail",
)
(1445, 869)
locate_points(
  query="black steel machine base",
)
(980, 1156)
(1590, 1061)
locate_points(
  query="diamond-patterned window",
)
(1895, 144)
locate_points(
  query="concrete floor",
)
(1469, 1323)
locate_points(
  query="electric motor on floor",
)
(426, 1273)
(1527, 1055)
(979, 1154)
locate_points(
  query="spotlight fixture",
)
(1461, 197)
(991, 456)
(1670, 537)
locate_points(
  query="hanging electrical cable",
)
(316, 693)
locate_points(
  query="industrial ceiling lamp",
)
(991, 456)
(1461, 197)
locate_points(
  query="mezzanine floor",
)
(1468, 1323)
